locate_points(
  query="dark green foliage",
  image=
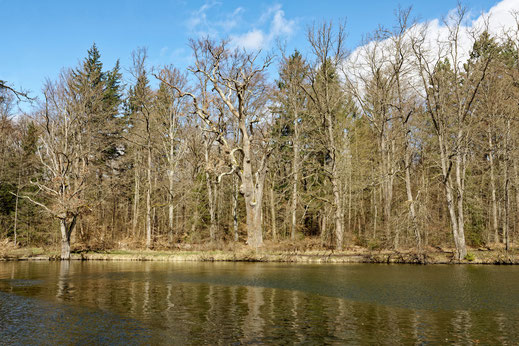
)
(7, 200)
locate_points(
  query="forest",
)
(408, 141)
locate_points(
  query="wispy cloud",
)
(210, 20)
(163, 51)
(207, 21)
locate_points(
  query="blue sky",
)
(42, 37)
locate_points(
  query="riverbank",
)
(244, 254)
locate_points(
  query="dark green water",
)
(254, 303)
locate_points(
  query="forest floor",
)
(271, 252)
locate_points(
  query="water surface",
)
(253, 303)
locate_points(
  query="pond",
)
(256, 303)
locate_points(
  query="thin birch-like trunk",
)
(136, 196)
(148, 200)
(273, 214)
(235, 208)
(493, 188)
(295, 177)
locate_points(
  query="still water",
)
(256, 303)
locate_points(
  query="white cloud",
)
(498, 19)
(279, 28)
(254, 40)
(501, 16)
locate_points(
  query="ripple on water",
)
(30, 321)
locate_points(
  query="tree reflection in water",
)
(227, 303)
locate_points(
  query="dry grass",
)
(7, 247)
(303, 250)
(8, 251)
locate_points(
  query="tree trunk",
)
(350, 200)
(457, 233)
(295, 177)
(506, 218)
(114, 210)
(324, 230)
(375, 214)
(339, 213)
(16, 211)
(65, 240)
(170, 205)
(66, 231)
(211, 194)
(253, 201)
(410, 200)
(293, 207)
(461, 159)
(273, 214)
(148, 200)
(235, 208)
(338, 218)
(171, 161)
(493, 188)
(516, 179)
(387, 180)
(252, 189)
(136, 196)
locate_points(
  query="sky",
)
(40, 38)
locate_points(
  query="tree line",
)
(407, 142)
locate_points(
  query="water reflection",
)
(65, 290)
(248, 303)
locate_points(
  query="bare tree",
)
(143, 115)
(171, 109)
(380, 77)
(62, 159)
(293, 102)
(450, 90)
(20, 94)
(239, 83)
(327, 97)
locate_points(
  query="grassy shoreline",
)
(359, 255)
